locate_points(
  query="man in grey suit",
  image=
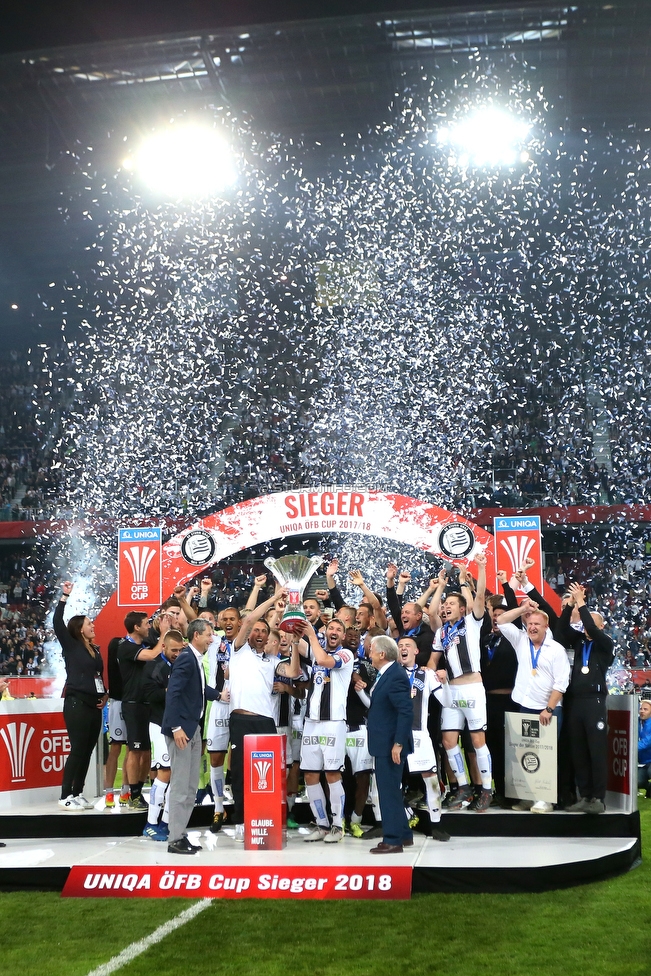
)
(390, 741)
(185, 707)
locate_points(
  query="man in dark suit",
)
(390, 742)
(185, 707)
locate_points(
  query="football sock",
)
(456, 762)
(484, 763)
(156, 800)
(317, 799)
(433, 794)
(337, 799)
(217, 784)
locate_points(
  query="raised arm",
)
(190, 612)
(510, 616)
(252, 618)
(259, 583)
(335, 593)
(393, 602)
(479, 605)
(435, 603)
(378, 610)
(403, 579)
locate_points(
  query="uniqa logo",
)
(17, 739)
(517, 549)
(262, 768)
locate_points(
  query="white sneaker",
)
(336, 834)
(317, 833)
(84, 803)
(239, 833)
(542, 806)
(72, 804)
(522, 805)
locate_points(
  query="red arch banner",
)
(319, 511)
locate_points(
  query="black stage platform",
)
(499, 851)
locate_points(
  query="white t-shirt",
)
(552, 668)
(252, 679)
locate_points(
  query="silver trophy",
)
(294, 573)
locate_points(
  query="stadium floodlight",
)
(184, 161)
(488, 136)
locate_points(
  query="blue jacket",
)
(390, 713)
(185, 702)
(644, 742)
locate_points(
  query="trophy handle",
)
(270, 563)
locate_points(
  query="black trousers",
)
(83, 723)
(241, 725)
(589, 740)
(496, 708)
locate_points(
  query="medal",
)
(587, 648)
(534, 657)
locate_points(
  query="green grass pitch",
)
(596, 930)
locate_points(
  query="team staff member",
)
(117, 730)
(217, 719)
(543, 673)
(499, 666)
(588, 721)
(390, 740)
(156, 678)
(185, 706)
(84, 698)
(133, 653)
(252, 675)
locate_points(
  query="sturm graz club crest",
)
(198, 547)
(456, 541)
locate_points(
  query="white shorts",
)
(217, 729)
(286, 730)
(361, 760)
(423, 758)
(297, 739)
(160, 754)
(469, 705)
(323, 746)
(116, 723)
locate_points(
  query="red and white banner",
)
(259, 520)
(140, 567)
(265, 793)
(619, 751)
(34, 745)
(355, 883)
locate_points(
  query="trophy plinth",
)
(294, 573)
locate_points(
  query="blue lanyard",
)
(492, 646)
(587, 648)
(412, 674)
(534, 655)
